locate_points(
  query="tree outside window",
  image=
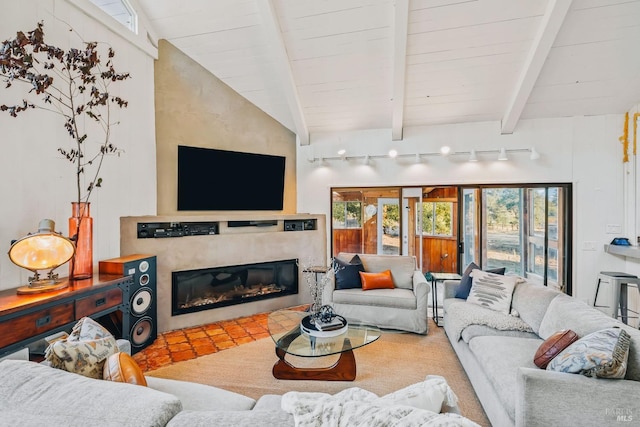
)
(437, 219)
(347, 214)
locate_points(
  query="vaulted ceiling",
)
(341, 65)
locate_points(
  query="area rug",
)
(394, 361)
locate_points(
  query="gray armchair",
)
(403, 308)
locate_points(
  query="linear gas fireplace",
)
(207, 288)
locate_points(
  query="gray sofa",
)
(402, 308)
(511, 388)
(34, 394)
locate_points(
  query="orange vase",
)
(81, 232)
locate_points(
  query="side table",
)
(435, 278)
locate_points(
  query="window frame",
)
(433, 203)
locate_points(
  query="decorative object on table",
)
(82, 221)
(74, 84)
(326, 324)
(317, 277)
(43, 250)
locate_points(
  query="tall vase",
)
(81, 232)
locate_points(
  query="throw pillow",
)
(552, 346)
(601, 354)
(431, 394)
(465, 282)
(121, 367)
(84, 351)
(382, 280)
(493, 291)
(347, 273)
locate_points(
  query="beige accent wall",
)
(194, 108)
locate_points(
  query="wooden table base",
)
(343, 370)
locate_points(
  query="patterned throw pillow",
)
(601, 354)
(492, 291)
(465, 283)
(347, 273)
(84, 351)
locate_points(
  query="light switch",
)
(614, 229)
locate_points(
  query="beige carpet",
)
(394, 361)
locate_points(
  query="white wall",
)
(632, 204)
(584, 151)
(36, 182)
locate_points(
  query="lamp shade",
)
(43, 250)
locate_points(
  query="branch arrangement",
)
(73, 83)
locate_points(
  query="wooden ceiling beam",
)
(399, 67)
(542, 43)
(283, 68)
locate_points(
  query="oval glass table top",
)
(284, 328)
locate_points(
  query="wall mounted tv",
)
(220, 180)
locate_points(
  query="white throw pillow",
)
(493, 291)
(429, 394)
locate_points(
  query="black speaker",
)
(139, 305)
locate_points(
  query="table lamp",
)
(43, 250)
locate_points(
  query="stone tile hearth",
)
(184, 344)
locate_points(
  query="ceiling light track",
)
(473, 155)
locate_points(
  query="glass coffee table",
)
(284, 328)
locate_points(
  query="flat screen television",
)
(220, 180)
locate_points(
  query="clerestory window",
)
(121, 11)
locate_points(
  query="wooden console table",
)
(25, 319)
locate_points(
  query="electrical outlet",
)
(613, 229)
(589, 246)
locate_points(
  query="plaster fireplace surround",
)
(232, 245)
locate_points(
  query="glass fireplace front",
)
(207, 288)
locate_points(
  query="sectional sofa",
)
(499, 360)
(34, 394)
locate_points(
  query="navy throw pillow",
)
(467, 280)
(348, 273)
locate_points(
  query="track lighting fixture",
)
(473, 157)
(534, 154)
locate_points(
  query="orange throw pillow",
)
(121, 367)
(381, 280)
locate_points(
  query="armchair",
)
(403, 308)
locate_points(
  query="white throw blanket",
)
(461, 314)
(355, 407)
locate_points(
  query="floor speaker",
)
(139, 311)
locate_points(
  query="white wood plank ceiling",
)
(340, 65)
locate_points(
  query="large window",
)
(525, 229)
(437, 219)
